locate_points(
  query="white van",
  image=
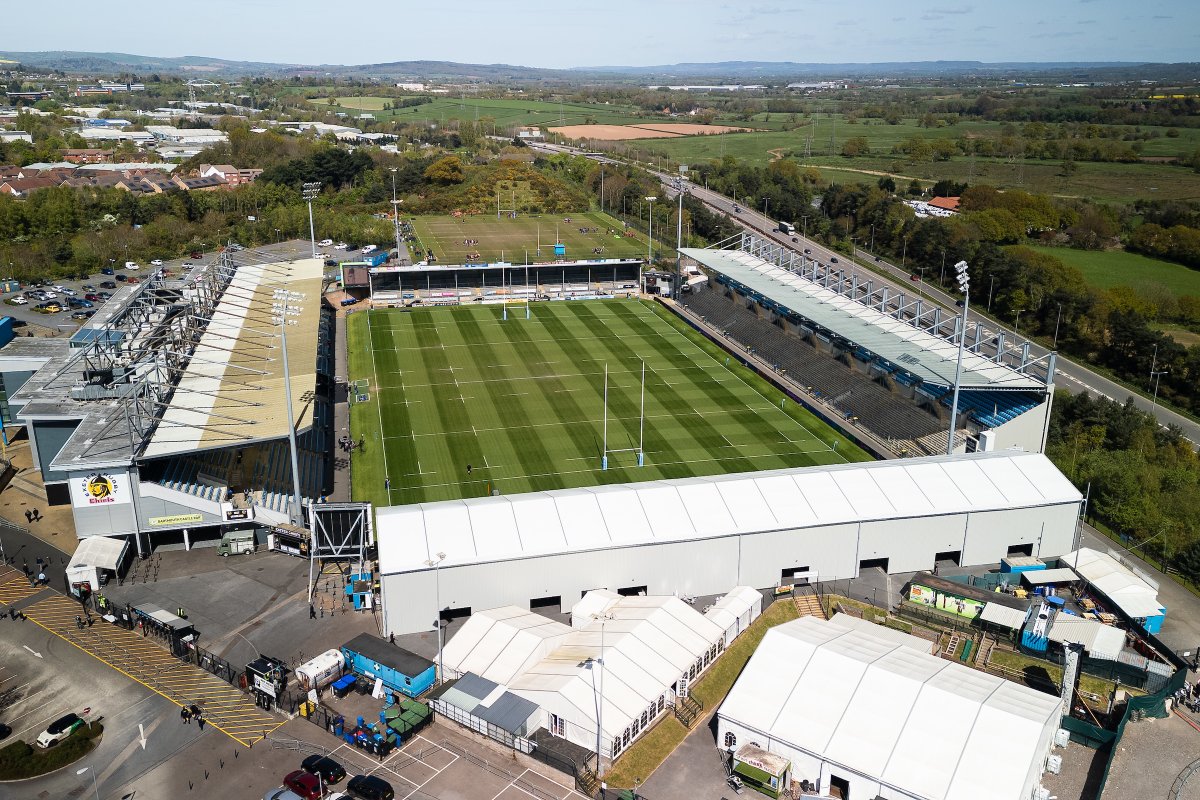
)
(131, 266)
(325, 243)
(369, 249)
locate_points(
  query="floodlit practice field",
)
(461, 402)
(513, 238)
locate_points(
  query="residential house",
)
(15, 136)
(946, 203)
(202, 184)
(86, 155)
(23, 187)
(230, 174)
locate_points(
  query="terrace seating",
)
(851, 391)
(990, 409)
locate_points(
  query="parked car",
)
(16, 300)
(282, 793)
(108, 271)
(107, 285)
(131, 266)
(82, 316)
(195, 254)
(368, 249)
(325, 243)
(4, 731)
(105, 295)
(304, 784)
(76, 302)
(833, 260)
(369, 787)
(331, 262)
(156, 262)
(58, 730)
(49, 307)
(349, 301)
(340, 246)
(123, 278)
(808, 251)
(329, 770)
(133, 279)
(95, 298)
(915, 277)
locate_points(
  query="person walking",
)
(29, 516)
(185, 716)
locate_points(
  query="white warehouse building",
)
(702, 536)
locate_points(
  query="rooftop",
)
(929, 357)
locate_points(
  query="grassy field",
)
(1119, 268)
(365, 103)
(506, 113)
(512, 239)
(521, 402)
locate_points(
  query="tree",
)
(856, 146)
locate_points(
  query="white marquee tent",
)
(846, 703)
(1132, 593)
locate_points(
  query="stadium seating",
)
(990, 409)
(851, 391)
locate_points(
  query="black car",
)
(329, 770)
(368, 787)
(4, 731)
(108, 271)
(349, 301)
(108, 284)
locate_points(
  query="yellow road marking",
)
(225, 708)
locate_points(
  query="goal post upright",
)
(641, 457)
(604, 452)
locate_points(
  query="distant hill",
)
(81, 63)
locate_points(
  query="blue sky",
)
(541, 33)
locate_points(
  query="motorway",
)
(1069, 375)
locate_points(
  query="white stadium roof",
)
(232, 391)
(1132, 593)
(930, 727)
(931, 358)
(490, 529)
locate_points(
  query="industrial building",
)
(700, 536)
(860, 711)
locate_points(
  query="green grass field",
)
(521, 401)
(513, 238)
(1118, 268)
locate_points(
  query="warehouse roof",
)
(498, 528)
(929, 727)
(929, 357)
(1134, 594)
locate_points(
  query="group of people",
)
(41, 579)
(592, 230)
(33, 515)
(597, 250)
(346, 444)
(192, 712)
(470, 242)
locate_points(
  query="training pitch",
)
(460, 402)
(517, 240)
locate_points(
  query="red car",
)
(304, 784)
(95, 298)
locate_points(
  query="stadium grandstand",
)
(170, 415)
(451, 284)
(884, 360)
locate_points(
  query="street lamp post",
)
(601, 618)
(804, 226)
(437, 596)
(964, 284)
(991, 286)
(1057, 322)
(1156, 374)
(904, 254)
(1017, 321)
(311, 190)
(650, 235)
(95, 785)
(395, 212)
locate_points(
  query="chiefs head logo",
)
(99, 488)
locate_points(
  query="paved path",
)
(225, 707)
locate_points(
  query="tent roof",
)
(733, 605)
(103, 552)
(1100, 640)
(1000, 614)
(930, 727)
(1037, 577)
(929, 357)
(1133, 593)
(498, 528)
(500, 643)
(596, 601)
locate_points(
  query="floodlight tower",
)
(396, 214)
(964, 285)
(311, 191)
(650, 236)
(283, 308)
(678, 184)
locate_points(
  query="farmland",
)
(1118, 268)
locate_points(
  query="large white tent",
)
(1134, 594)
(878, 715)
(699, 536)
(651, 648)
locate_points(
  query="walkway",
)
(225, 707)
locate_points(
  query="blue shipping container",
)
(376, 259)
(6, 330)
(400, 670)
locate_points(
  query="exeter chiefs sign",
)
(98, 489)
